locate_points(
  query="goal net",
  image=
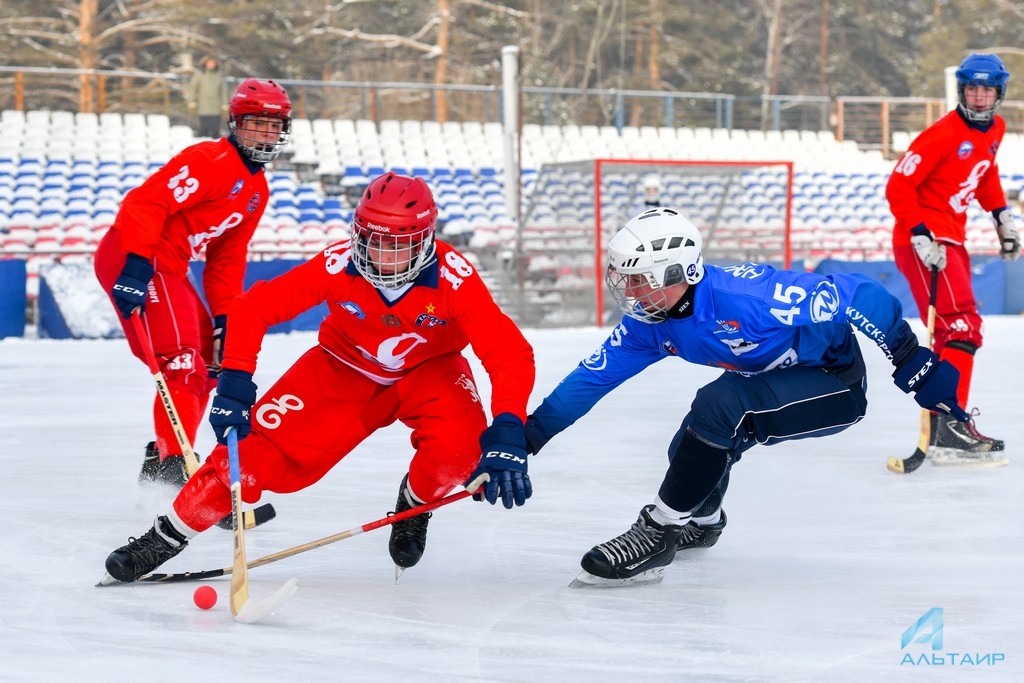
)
(553, 274)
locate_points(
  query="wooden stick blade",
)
(906, 465)
(254, 610)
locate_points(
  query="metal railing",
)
(870, 121)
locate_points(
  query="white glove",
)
(1009, 238)
(930, 251)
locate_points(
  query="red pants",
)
(181, 333)
(956, 312)
(321, 409)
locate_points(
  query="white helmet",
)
(657, 248)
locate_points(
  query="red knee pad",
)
(252, 489)
(204, 500)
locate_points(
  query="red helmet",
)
(393, 230)
(263, 98)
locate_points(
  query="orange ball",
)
(205, 597)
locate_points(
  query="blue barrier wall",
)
(72, 305)
(998, 285)
(51, 321)
(1015, 288)
(266, 270)
(12, 298)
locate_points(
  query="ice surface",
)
(827, 560)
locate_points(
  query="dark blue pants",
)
(735, 412)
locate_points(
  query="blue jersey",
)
(746, 319)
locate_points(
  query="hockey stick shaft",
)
(908, 465)
(191, 461)
(252, 518)
(370, 526)
(239, 575)
(926, 423)
(319, 543)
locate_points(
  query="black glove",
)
(220, 329)
(232, 405)
(503, 457)
(129, 290)
(933, 382)
(931, 252)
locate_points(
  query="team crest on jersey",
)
(427, 320)
(824, 302)
(239, 184)
(965, 150)
(254, 203)
(391, 320)
(353, 308)
(727, 326)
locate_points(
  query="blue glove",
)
(129, 290)
(503, 457)
(220, 329)
(933, 382)
(231, 406)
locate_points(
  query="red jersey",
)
(946, 166)
(447, 308)
(206, 196)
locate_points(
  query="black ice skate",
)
(150, 464)
(408, 537)
(169, 472)
(638, 556)
(701, 535)
(172, 472)
(147, 552)
(958, 443)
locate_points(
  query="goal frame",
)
(599, 246)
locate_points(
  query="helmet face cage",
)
(656, 249)
(257, 99)
(981, 70)
(637, 296)
(393, 231)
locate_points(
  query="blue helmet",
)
(981, 69)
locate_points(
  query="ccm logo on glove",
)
(503, 459)
(215, 410)
(505, 456)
